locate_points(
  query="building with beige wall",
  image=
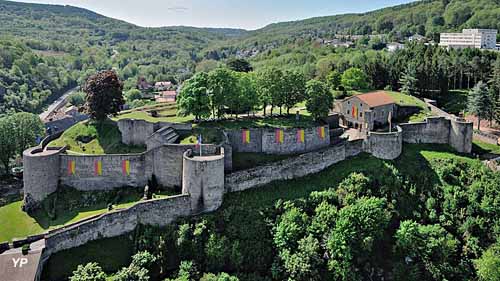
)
(366, 111)
(470, 38)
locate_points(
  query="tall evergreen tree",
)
(409, 80)
(480, 103)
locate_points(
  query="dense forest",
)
(75, 43)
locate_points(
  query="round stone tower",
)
(40, 176)
(203, 180)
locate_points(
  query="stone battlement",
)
(202, 178)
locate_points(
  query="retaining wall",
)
(263, 140)
(159, 212)
(296, 167)
(137, 132)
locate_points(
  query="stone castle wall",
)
(202, 178)
(296, 167)
(388, 146)
(159, 212)
(440, 130)
(263, 140)
(137, 132)
(203, 190)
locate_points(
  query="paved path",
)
(60, 102)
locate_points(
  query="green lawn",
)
(483, 148)
(92, 138)
(14, 223)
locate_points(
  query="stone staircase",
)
(168, 134)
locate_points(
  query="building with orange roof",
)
(366, 111)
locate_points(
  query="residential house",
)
(163, 86)
(166, 96)
(366, 111)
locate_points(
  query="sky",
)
(247, 14)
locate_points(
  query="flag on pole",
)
(301, 136)
(71, 167)
(245, 136)
(126, 167)
(198, 141)
(98, 168)
(279, 136)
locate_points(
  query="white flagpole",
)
(200, 141)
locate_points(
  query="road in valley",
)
(57, 104)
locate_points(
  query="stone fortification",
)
(440, 130)
(386, 146)
(279, 141)
(137, 132)
(202, 178)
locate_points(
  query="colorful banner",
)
(71, 167)
(279, 136)
(98, 168)
(126, 167)
(301, 136)
(245, 136)
(321, 132)
(354, 112)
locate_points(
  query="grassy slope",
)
(14, 223)
(247, 207)
(106, 139)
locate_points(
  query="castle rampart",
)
(202, 178)
(386, 146)
(279, 141)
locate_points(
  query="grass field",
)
(482, 148)
(92, 138)
(15, 223)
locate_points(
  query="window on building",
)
(361, 114)
(348, 112)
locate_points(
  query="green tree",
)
(355, 79)
(247, 99)
(223, 88)
(90, 272)
(270, 88)
(488, 266)
(133, 94)
(27, 127)
(409, 80)
(8, 144)
(427, 247)
(104, 95)
(480, 103)
(319, 99)
(220, 277)
(139, 268)
(304, 263)
(357, 232)
(77, 99)
(193, 97)
(294, 89)
(334, 80)
(239, 65)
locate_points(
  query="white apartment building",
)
(470, 38)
